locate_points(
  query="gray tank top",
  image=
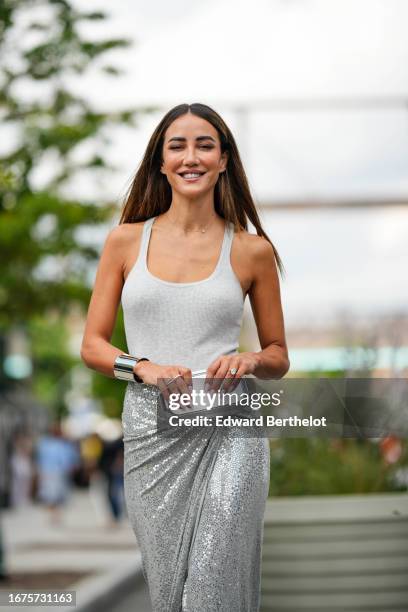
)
(186, 324)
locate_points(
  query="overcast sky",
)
(224, 52)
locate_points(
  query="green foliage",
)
(317, 466)
(325, 374)
(52, 364)
(59, 124)
(44, 268)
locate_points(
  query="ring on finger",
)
(233, 371)
(172, 380)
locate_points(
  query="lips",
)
(191, 176)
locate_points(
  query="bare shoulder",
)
(122, 236)
(252, 257)
(126, 241)
(256, 248)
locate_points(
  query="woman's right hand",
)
(154, 374)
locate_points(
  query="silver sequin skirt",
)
(196, 502)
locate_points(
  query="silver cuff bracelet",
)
(123, 367)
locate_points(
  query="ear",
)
(224, 160)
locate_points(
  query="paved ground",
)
(82, 542)
(137, 601)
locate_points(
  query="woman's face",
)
(192, 158)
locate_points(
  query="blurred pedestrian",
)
(56, 458)
(22, 470)
(111, 465)
(91, 447)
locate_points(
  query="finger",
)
(188, 376)
(229, 378)
(165, 387)
(212, 368)
(237, 378)
(164, 391)
(219, 376)
(184, 380)
(182, 387)
(172, 386)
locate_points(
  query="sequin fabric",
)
(196, 500)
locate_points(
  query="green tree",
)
(44, 267)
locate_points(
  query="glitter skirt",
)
(196, 501)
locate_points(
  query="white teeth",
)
(191, 175)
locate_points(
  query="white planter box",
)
(335, 553)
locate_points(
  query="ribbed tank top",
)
(186, 324)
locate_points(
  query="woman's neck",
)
(191, 214)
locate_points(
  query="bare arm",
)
(264, 295)
(259, 268)
(96, 351)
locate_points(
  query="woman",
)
(182, 262)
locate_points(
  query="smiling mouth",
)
(191, 176)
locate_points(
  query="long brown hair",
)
(150, 193)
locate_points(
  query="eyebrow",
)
(199, 138)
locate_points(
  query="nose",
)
(190, 156)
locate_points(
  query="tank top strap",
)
(147, 226)
(225, 261)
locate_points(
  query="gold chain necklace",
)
(201, 230)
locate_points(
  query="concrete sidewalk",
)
(107, 559)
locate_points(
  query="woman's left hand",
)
(244, 363)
